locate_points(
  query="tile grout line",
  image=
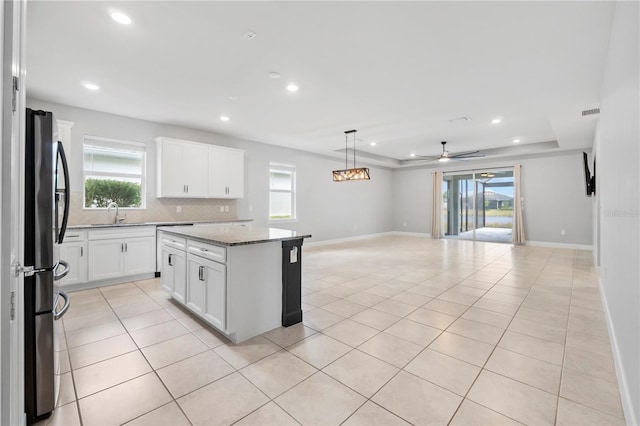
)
(490, 355)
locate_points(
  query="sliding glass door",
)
(478, 204)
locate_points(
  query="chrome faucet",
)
(117, 219)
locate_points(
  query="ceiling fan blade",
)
(463, 154)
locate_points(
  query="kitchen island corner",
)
(242, 280)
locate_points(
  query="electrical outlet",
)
(226, 209)
(178, 209)
(222, 208)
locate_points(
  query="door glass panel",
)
(494, 205)
(458, 205)
(478, 205)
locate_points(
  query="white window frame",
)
(129, 145)
(292, 191)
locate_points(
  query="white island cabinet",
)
(173, 266)
(233, 276)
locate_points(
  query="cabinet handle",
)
(126, 247)
(203, 249)
(187, 188)
(201, 273)
(170, 264)
(81, 251)
(122, 247)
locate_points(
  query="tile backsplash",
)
(158, 210)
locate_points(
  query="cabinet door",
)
(140, 255)
(226, 173)
(106, 259)
(167, 270)
(235, 173)
(215, 309)
(196, 164)
(75, 254)
(174, 273)
(179, 261)
(171, 170)
(196, 284)
(217, 169)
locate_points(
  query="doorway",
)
(478, 204)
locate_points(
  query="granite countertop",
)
(167, 223)
(234, 235)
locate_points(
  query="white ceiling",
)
(395, 71)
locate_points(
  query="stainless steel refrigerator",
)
(46, 216)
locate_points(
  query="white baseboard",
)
(630, 415)
(346, 240)
(104, 283)
(411, 234)
(559, 245)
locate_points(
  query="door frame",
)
(473, 173)
(12, 128)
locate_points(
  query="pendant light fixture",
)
(361, 173)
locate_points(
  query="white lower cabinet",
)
(74, 252)
(120, 253)
(206, 289)
(106, 259)
(140, 255)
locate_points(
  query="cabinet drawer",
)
(125, 232)
(208, 251)
(73, 236)
(173, 241)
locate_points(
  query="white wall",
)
(618, 159)
(553, 188)
(326, 209)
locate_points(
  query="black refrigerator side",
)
(41, 234)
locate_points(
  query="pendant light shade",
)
(355, 173)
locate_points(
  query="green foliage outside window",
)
(100, 192)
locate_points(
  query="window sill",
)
(274, 221)
(104, 209)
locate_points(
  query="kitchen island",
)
(241, 279)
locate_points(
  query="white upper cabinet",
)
(226, 173)
(195, 170)
(182, 168)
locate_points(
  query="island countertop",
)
(233, 235)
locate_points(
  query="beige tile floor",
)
(396, 330)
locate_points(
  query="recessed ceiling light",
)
(496, 120)
(224, 118)
(372, 144)
(120, 18)
(516, 141)
(292, 87)
(249, 35)
(273, 74)
(233, 98)
(91, 86)
(412, 155)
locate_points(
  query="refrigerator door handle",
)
(58, 276)
(67, 302)
(67, 194)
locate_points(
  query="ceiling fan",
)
(446, 156)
